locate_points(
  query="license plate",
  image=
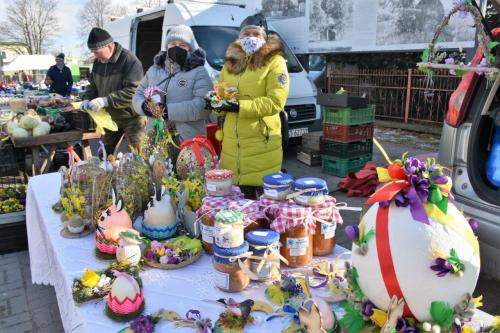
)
(297, 132)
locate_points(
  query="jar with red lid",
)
(219, 182)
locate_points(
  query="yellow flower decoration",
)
(90, 278)
(161, 252)
(496, 323)
(379, 317)
(478, 301)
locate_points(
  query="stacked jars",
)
(313, 193)
(230, 251)
(277, 186)
(218, 183)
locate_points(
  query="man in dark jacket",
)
(115, 75)
(59, 77)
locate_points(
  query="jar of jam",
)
(310, 191)
(264, 243)
(230, 265)
(277, 186)
(207, 232)
(297, 246)
(218, 182)
(324, 238)
(229, 226)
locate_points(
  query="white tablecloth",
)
(57, 261)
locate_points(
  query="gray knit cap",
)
(183, 33)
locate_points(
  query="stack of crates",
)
(347, 142)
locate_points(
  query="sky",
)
(69, 41)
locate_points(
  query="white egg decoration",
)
(160, 212)
(124, 287)
(129, 250)
(398, 259)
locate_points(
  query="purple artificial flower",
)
(401, 199)
(155, 245)
(143, 324)
(462, 8)
(473, 224)
(433, 168)
(481, 64)
(440, 179)
(173, 260)
(450, 61)
(404, 327)
(368, 309)
(150, 255)
(442, 267)
(352, 232)
(421, 186)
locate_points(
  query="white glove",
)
(98, 103)
(85, 105)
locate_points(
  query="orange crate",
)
(347, 134)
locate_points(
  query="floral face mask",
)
(251, 44)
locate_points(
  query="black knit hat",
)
(60, 56)
(257, 21)
(98, 38)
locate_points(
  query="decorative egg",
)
(160, 213)
(398, 259)
(316, 316)
(187, 161)
(124, 287)
(128, 250)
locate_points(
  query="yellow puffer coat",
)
(251, 146)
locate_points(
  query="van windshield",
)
(215, 40)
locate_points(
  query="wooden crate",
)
(312, 140)
(308, 156)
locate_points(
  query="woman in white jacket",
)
(180, 73)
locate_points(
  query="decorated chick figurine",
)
(160, 218)
(112, 222)
(129, 251)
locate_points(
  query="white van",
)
(215, 26)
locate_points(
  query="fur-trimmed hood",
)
(194, 59)
(236, 59)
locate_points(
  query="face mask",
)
(177, 54)
(251, 44)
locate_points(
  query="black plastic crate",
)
(13, 237)
(346, 150)
(80, 121)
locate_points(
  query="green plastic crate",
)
(346, 150)
(348, 116)
(341, 167)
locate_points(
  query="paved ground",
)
(31, 308)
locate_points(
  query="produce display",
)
(12, 199)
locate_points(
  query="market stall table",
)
(38, 166)
(57, 261)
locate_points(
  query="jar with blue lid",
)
(310, 191)
(232, 267)
(277, 185)
(265, 261)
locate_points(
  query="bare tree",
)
(149, 3)
(96, 13)
(32, 23)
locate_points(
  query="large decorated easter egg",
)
(160, 212)
(421, 262)
(197, 155)
(125, 296)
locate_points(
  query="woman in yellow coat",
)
(251, 145)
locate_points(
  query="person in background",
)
(26, 77)
(180, 73)
(251, 145)
(59, 77)
(115, 75)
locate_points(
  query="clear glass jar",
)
(277, 186)
(218, 182)
(324, 239)
(297, 246)
(264, 243)
(229, 228)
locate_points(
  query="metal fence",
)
(400, 95)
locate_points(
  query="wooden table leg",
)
(50, 158)
(87, 153)
(35, 160)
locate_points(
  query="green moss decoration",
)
(124, 318)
